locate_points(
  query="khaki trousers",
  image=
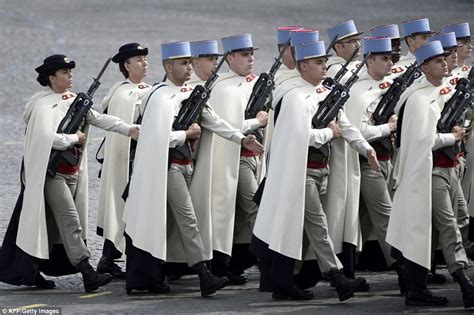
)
(59, 195)
(181, 207)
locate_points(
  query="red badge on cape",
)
(320, 90)
(143, 86)
(384, 85)
(466, 68)
(454, 81)
(445, 90)
(250, 77)
(186, 89)
(68, 96)
(397, 69)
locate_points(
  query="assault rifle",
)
(263, 87)
(386, 107)
(454, 111)
(193, 105)
(72, 122)
(330, 106)
(330, 83)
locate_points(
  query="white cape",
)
(281, 212)
(121, 102)
(409, 228)
(229, 99)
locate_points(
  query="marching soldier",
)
(287, 219)
(51, 219)
(464, 50)
(234, 169)
(347, 41)
(415, 33)
(391, 31)
(122, 101)
(341, 203)
(167, 182)
(421, 195)
(366, 94)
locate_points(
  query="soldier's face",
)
(137, 67)
(346, 47)
(241, 62)
(417, 41)
(452, 59)
(396, 49)
(61, 80)
(436, 68)
(314, 70)
(204, 66)
(465, 51)
(380, 65)
(181, 69)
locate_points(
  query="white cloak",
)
(280, 216)
(229, 99)
(409, 228)
(121, 101)
(43, 113)
(341, 203)
(145, 208)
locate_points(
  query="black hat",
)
(129, 50)
(55, 62)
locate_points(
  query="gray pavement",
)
(90, 31)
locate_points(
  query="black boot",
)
(466, 285)
(208, 282)
(345, 287)
(107, 265)
(42, 283)
(424, 298)
(294, 293)
(402, 283)
(91, 278)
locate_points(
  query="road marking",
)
(30, 306)
(88, 296)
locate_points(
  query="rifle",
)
(330, 106)
(330, 83)
(454, 111)
(193, 105)
(263, 87)
(386, 107)
(72, 121)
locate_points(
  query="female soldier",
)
(49, 222)
(123, 101)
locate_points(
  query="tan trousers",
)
(445, 186)
(376, 204)
(181, 208)
(246, 209)
(315, 223)
(59, 195)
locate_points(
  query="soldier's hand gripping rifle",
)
(330, 106)
(194, 104)
(263, 87)
(386, 107)
(72, 122)
(454, 111)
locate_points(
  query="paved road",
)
(90, 31)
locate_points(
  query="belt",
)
(181, 162)
(245, 152)
(314, 155)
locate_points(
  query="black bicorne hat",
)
(129, 50)
(55, 62)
